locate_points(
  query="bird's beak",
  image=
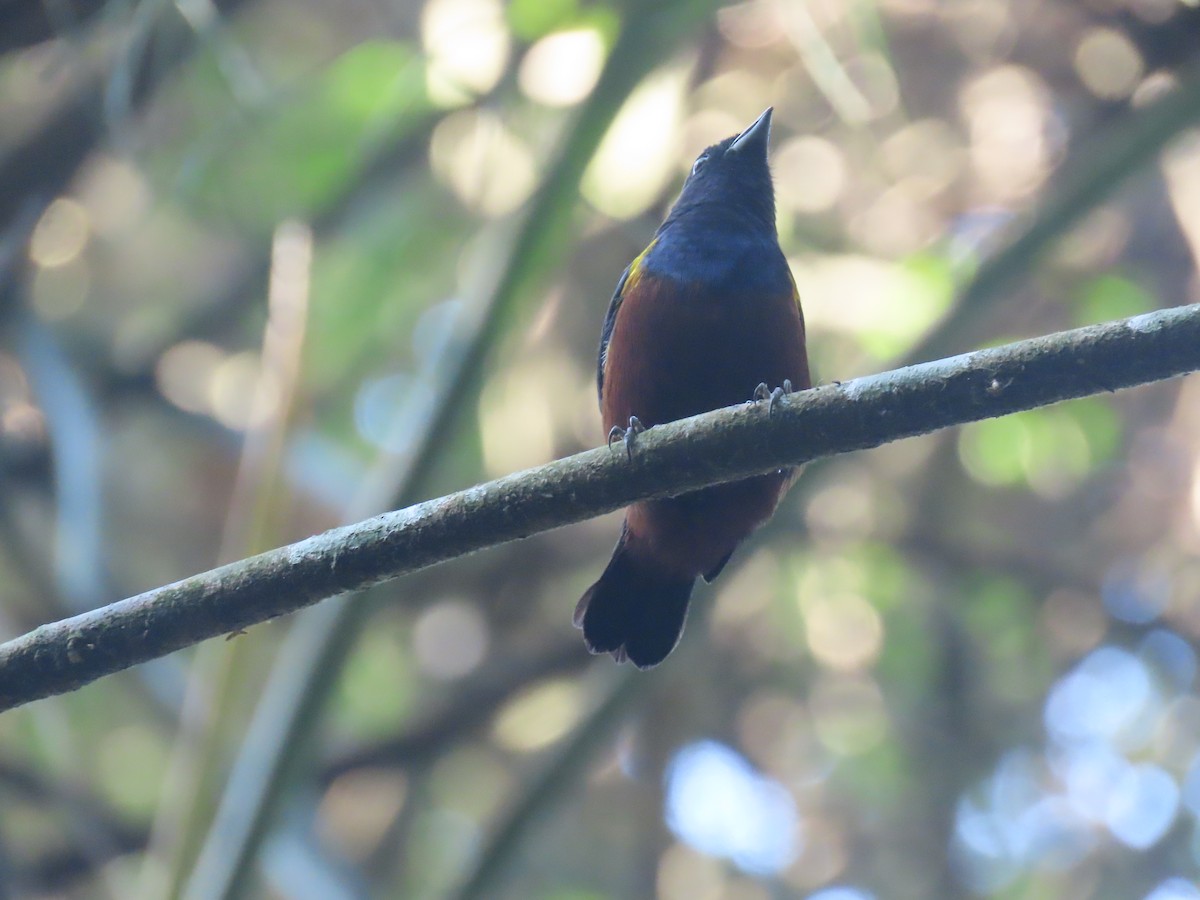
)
(756, 136)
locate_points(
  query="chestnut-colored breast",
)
(677, 349)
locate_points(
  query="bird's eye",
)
(700, 160)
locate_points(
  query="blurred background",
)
(266, 267)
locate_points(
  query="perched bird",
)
(705, 317)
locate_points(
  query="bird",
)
(706, 316)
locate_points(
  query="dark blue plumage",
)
(703, 316)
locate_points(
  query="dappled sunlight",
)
(450, 639)
(776, 731)
(61, 291)
(115, 195)
(846, 510)
(185, 374)
(1008, 113)
(61, 234)
(489, 169)
(886, 305)
(811, 174)
(898, 222)
(848, 714)
(467, 44)
(1092, 782)
(1181, 165)
(370, 248)
(824, 857)
(561, 69)
(633, 162)
(357, 809)
(241, 393)
(1045, 449)
(983, 29)
(517, 422)
(1108, 63)
(843, 631)
(717, 803)
(539, 716)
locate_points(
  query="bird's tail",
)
(634, 611)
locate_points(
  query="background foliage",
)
(265, 267)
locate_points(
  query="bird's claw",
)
(762, 392)
(626, 435)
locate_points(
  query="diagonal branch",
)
(680, 456)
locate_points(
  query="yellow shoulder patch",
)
(635, 269)
(795, 291)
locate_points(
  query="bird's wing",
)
(609, 319)
(629, 280)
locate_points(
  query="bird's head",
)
(732, 179)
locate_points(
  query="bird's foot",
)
(626, 435)
(762, 392)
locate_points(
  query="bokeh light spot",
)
(777, 734)
(686, 874)
(983, 28)
(1175, 889)
(241, 393)
(753, 25)
(1171, 658)
(59, 292)
(842, 893)
(884, 305)
(848, 714)
(115, 195)
(516, 420)
(1011, 822)
(1108, 63)
(561, 69)
(61, 234)
(130, 761)
(467, 43)
(1135, 593)
(928, 150)
(810, 174)
(1106, 697)
(637, 155)
(718, 804)
(450, 639)
(489, 169)
(1007, 110)
(1090, 772)
(1048, 449)
(375, 410)
(1142, 806)
(185, 371)
(379, 658)
(539, 716)
(897, 221)
(845, 632)
(357, 809)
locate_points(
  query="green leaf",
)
(292, 158)
(532, 19)
(1051, 449)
